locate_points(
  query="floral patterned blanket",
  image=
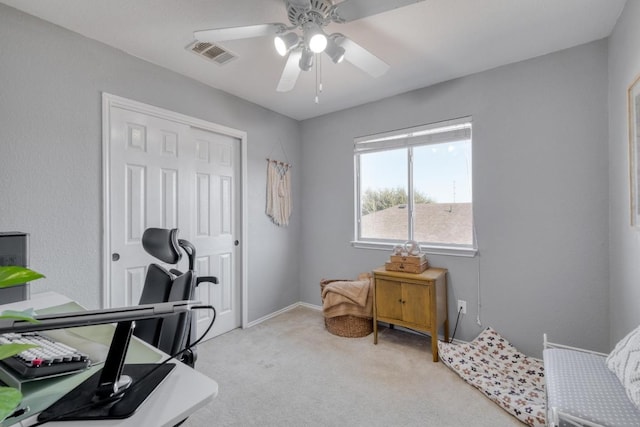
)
(506, 376)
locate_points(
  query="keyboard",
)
(49, 358)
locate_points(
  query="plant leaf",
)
(26, 315)
(13, 275)
(9, 400)
(8, 350)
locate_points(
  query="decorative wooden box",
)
(407, 263)
(406, 267)
(409, 259)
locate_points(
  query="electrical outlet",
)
(462, 305)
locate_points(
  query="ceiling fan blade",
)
(362, 58)
(350, 10)
(236, 33)
(291, 71)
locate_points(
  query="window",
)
(415, 184)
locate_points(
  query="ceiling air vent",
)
(211, 52)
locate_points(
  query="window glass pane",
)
(383, 195)
(442, 193)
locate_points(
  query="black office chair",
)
(173, 333)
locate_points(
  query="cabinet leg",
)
(375, 332)
(434, 345)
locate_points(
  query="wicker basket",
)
(347, 326)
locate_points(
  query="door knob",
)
(236, 242)
(115, 256)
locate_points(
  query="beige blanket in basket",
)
(348, 297)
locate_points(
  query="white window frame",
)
(434, 133)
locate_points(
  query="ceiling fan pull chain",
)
(317, 99)
(320, 72)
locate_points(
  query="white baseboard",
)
(319, 308)
(283, 310)
(311, 306)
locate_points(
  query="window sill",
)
(429, 250)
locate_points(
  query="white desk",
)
(183, 392)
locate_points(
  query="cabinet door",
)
(389, 299)
(415, 304)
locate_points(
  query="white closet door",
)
(215, 227)
(164, 173)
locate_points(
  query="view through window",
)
(415, 184)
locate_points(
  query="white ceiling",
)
(425, 43)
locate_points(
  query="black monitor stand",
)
(114, 392)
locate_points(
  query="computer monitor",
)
(117, 390)
(95, 317)
(14, 250)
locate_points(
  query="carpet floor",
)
(289, 371)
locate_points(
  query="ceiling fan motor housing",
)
(318, 11)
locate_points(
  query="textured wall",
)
(542, 179)
(51, 82)
(540, 195)
(624, 258)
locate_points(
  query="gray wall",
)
(51, 163)
(540, 196)
(542, 175)
(624, 257)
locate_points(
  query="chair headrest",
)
(162, 243)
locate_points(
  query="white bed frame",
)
(554, 415)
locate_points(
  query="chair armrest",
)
(548, 344)
(207, 279)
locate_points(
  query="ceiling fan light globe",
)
(314, 37)
(306, 60)
(335, 52)
(285, 42)
(339, 57)
(318, 43)
(280, 47)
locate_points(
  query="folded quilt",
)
(347, 297)
(355, 291)
(506, 376)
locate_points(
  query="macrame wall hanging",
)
(278, 192)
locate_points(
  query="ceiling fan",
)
(310, 17)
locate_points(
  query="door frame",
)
(110, 101)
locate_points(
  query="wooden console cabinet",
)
(415, 301)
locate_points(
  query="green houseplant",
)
(11, 276)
